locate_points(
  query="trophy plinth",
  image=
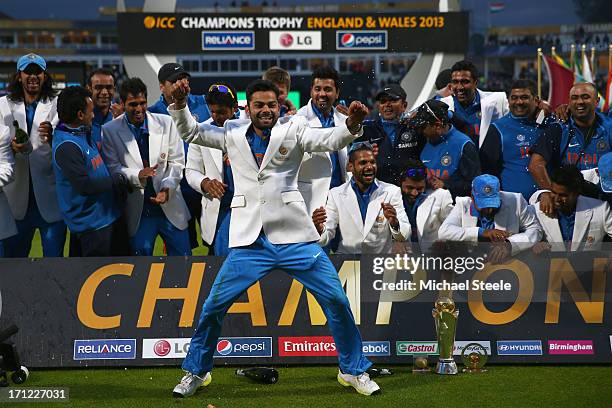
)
(445, 316)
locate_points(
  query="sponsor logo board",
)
(460, 345)
(105, 349)
(361, 40)
(295, 40)
(226, 347)
(231, 40)
(376, 348)
(410, 348)
(570, 347)
(519, 348)
(306, 346)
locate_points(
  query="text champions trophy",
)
(445, 316)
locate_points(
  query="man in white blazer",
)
(321, 171)
(367, 212)
(270, 227)
(473, 109)
(145, 147)
(31, 106)
(209, 172)
(7, 174)
(490, 215)
(426, 210)
(579, 223)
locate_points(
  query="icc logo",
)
(159, 22)
(348, 40)
(224, 347)
(286, 40)
(161, 348)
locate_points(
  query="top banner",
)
(170, 33)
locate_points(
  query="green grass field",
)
(501, 386)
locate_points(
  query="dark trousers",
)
(96, 243)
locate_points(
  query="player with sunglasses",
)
(450, 156)
(167, 75)
(426, 209)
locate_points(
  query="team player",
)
(473, 109)
(85, 188)
(450, 156)
(145, 147)
(31, 104)
(167, 75)
(367, 212)
(270, 227)
(209, 172)
(282, 80)
(506, 150)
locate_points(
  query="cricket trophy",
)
(445, 316)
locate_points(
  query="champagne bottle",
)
(21, 136)
(378, 372)
(260, 374)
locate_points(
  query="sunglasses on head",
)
(221, 89)
(416, 172)
(360, 145)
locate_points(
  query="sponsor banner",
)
(295, 40)
(361, 40)
(244, 347)
(189, 33)
(157, 302)
(519, 347)
(377, 348)
(227, 40)
(460, 345)
(306, 346)
(165, 348)
(410, 348)
(105, 349)
(570, 347)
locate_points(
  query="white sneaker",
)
(190, 383)
(361, 383)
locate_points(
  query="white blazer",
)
(7, 174)
(375, 235)
(493, 105)
(204, 162)
(514, 216)
(37, 162)
(315, 174)
(121, 154)
(266, 197)
(592, 221)
(431, 214)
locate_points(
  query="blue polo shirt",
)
(390, 127)
(327, 122)
(258, 144)
(411, 212)
(484, 223)
(566, 225)
(467, 119)
(96, 126)
(363, 198)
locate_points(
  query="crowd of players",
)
(467, 165)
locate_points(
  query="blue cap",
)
(31, 58)
(605, 172)
(485, 190)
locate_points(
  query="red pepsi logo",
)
(286, 40)
(347, 40)
(162, 348)
(224, 347)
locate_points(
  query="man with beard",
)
(579, 223)
(167, 75)
(506, 150)
(270, 227)
(321, 171)
(450, 156)
(146, 149)
(368, 213)
(426, 210)
(30, 106)
(394, 141)
(579, 142)
(473, 109)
